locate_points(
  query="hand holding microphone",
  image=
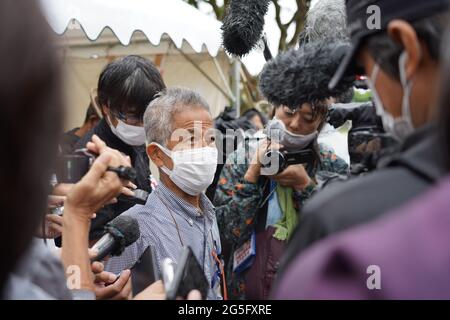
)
(94, 190)
(98, 186)
(120, 233)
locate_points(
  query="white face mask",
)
(193, 169)
(277, 131)
(399, 128)
(131, 135)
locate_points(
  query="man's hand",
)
(53, 227)
(62, 189)
(98, 186)
(52, 222)
(108, 287)
(97, 146)
(293, 176)
(155, 291)
(86, 197)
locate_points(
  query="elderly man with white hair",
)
(180, 142)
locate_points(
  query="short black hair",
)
(91, 112)
(129, 84)
(386, 51)
(251, 113)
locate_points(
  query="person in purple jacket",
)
(404, 255)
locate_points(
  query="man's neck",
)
(193, 200)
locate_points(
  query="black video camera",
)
(72, 168)
(367, 140)
(283, 158)
(367, 145)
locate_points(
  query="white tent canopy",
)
(184, 44)
(153, 17)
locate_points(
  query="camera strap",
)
(264, 206)
(267, 195)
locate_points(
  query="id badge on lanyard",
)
(243, 257)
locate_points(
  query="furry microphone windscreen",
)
(302, 75)
(327, 19)
(243, 25)
(126, 228)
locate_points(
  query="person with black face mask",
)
(125, 89)
(401, 58)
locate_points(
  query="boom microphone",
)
(302, 75)
(243, 25)
(120, 233)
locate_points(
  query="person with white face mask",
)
(181, 144)
(125, 88)
(261, 209)
(402, 63)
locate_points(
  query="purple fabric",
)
(411, 246)
(261, 275)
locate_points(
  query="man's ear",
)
(404, 34)
(156, 155)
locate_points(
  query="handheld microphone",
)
(120, 233)
(243, 25)
(301, 75)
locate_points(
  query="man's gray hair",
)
(327, 19)
(159, 115)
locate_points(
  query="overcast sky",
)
(255, 60)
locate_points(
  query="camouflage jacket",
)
(237, 201)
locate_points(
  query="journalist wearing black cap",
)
(396, 44)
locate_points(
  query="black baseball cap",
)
(358, 13)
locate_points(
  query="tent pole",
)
(204, 74)
(222, 76)
(236, 80)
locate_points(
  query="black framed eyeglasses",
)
(132, 120)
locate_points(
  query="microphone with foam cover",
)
(243, 25)
(302, 75)
(120, 233)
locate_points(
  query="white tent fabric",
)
(153, 17)
(85, 60)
